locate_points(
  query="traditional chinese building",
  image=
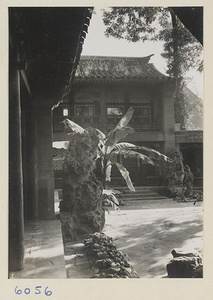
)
(103, 90)
(45, 44)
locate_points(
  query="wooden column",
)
(168, 117)
(29, 158)
(103, 116)
(16, 215)
(45, 161)
(168, 121)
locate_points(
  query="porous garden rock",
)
(105, 260)
(81, 210)
(185, 265)
(179, 178)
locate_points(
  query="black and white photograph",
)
(105, 109)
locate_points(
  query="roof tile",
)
(106, 67)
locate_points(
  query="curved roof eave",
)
(92, 80)
(104, 69)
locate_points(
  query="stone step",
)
(142, 197)
(130, 200)
(141, 189)
(137, 188)
(142, 193)
(137, 191)
(138, 194)
(135, 203)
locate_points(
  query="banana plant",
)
(110, 197)
(110, 148)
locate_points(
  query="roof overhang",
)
(49, 43)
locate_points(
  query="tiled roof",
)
(104, 68)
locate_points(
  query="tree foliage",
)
(134, 24)
(130, 23)
(181, 50)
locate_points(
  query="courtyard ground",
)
(147, 233)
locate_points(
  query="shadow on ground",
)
(44, 253)
(148, 236)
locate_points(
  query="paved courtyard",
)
(147, 234)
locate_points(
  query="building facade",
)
(103, 90)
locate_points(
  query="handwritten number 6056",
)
(37, 291)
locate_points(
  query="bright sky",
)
(97, 44)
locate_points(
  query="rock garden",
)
(85, 221)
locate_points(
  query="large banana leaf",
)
(126, 176)
(111, 191)
(111, 194)
(101, 144)
(121, 130)
(155, 154)
(101, 135)
(125, 145)
(125, 119)
(108, 173)
(151, 152)
(133, 154)
(110, 198)
(118, 134)
(73, 126)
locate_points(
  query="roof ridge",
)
(102, 57)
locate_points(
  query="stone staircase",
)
(141, 194)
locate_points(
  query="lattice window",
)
(85, 110)
(113, 111)
(142, 114)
